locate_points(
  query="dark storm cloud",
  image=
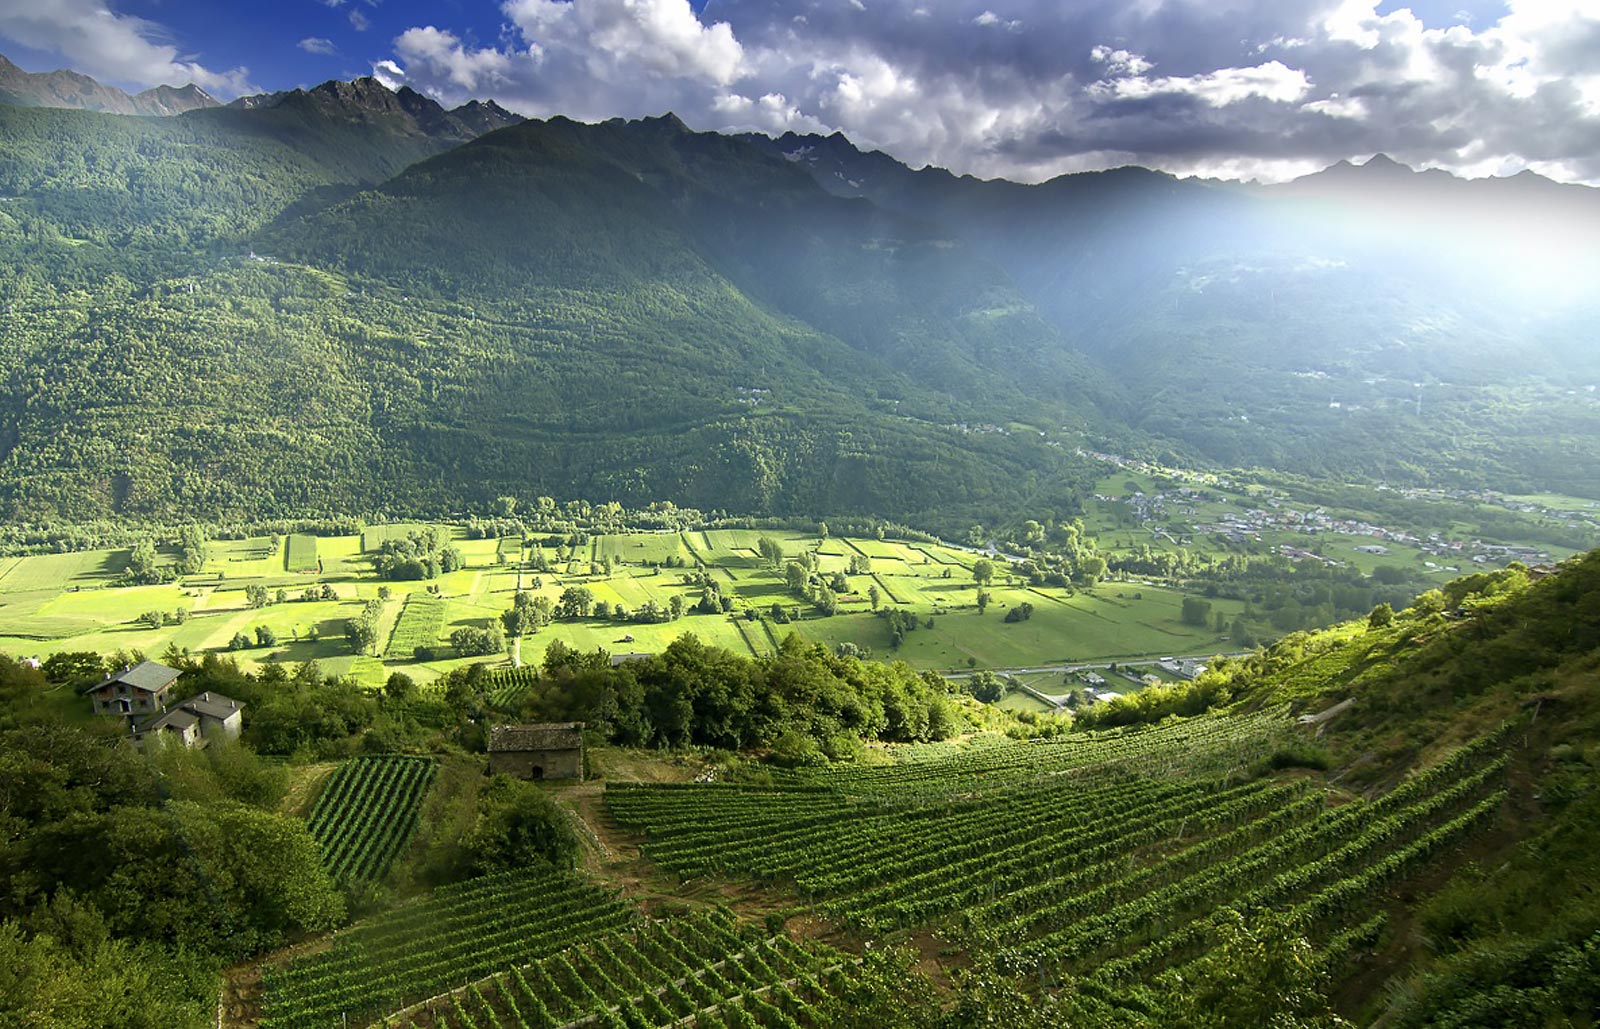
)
(1030, 88)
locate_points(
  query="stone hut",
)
(551, 750)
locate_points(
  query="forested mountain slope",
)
(1300, 325)
(628, 311)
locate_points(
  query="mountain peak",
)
(668, 121)
(1383, 163)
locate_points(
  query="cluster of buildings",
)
(143, 697)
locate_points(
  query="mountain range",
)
(70, 89)
(348, 299)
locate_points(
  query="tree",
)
(986, 686)
(400, 688)
(256, 597)
(983, 601)
(796, 577)
(982, 571)
(517, 825)
(675, 606)
(1196, 612)
(771, 551)
(239, 642)
(153, 619)
(265, 637)
(142, 559)
(470, 641)
(1381, 616)
(874, 596)
(576, 602)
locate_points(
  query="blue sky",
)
(1019, 88)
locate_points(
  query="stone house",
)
(195, 722)
(136, 692)
(551, 750)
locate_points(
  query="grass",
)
(70, 604)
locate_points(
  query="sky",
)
(1023, 89)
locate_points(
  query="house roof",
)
(150, 676)
(177, 718)
(212, 705)
(544, 736)
(632, 655)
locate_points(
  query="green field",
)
(67, 602)
(301, 554)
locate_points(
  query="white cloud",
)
(463, 67)
(1120, 62)
(119, 48)
(1271, 81)
(1336, 106)
(358, 20)
(988, 18)
(390, 74)
(318, 45)
(622, 38)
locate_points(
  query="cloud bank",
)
(1028, 89)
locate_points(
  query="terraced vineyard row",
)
(507, 686)
(1109, 884)
(696, 970)
(1217, 744)
(461, 934)
(367, 812)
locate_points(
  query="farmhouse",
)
(193, 723)
(551, 750)
(134, 692)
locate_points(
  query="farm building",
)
(134, 692)
(193, 723)
(552, 750)
(632, 655)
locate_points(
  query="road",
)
(1083, 665)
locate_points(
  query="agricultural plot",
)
(642, 548)
(419, 625)
(372, 536)
(367, 812)
(1109, 879)
(300, 555)
(691, 971)
(1083, 627)
(61, 571)
(459, 935)
(256, 557)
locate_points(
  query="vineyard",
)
(459, 935)
(1108, 879)
(507, 686)
(697, 970)
(367, 812)
(420, 622)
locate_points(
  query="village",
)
(1215, 512)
